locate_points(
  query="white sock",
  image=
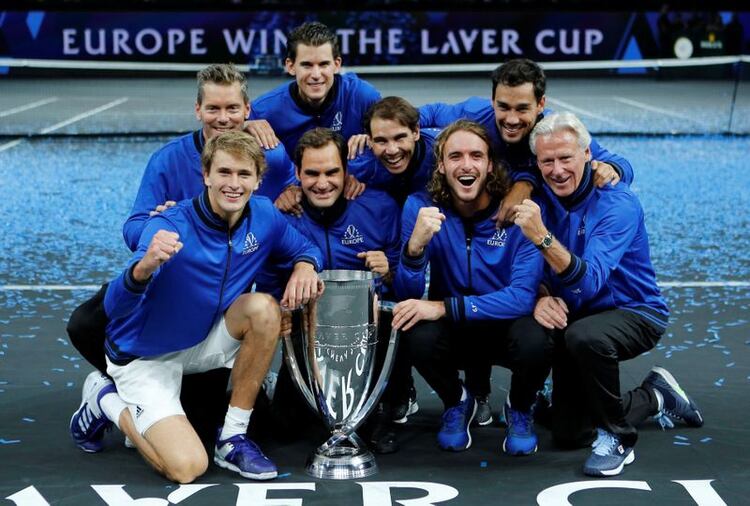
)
(112, 405)
(235, 422)
(464, 394)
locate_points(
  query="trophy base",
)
(341, 463)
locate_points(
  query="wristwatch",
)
(546, 242)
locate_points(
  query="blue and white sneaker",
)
(241, 455)
(608, 456)
(454, 435)
(520, 438)
(673, 401)
(88, 423)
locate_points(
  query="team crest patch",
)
(352, 236)
(251, 244)
(582, 227)
(338, 122)
(498, 238)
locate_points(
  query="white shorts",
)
(151, 386)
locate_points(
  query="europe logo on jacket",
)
(251, 244)
(352, 236)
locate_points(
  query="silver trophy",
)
(333, 363)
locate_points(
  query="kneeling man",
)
(602, 303)
(179, 308)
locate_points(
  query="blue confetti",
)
(69, 384)
(46, 383)
(681, 438)
(680, 443)
(719, 382)
(730, 364)
(705, 440)
(9, 441)
(284, 475)
(483, 463)
(727, 352)
(26, 419)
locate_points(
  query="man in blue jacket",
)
(401, 159)
(601, 301)
(173, 172)
(318, 97)
(360, 234)
(483, 284)
(180, 307)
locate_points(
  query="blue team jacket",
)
(368, 169)
(520, 159)
(174, 173)
(342, 111)
(604, 230)
(186, 295)
(481, 272)
(369, 222)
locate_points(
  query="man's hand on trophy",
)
(303, 286)
(408, 313)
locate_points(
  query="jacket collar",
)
(328, 216)
(202, 206)
(315, 110)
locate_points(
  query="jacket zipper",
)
(226, 271)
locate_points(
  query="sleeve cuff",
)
(454, 309)
(134, 285)
(410, 262)
(574, 271)
(308, 260)
(617, 168)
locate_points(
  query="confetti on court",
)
(719, 382)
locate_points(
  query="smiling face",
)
(561, 160)
(321, 174)
(516, 110)
(466, 165)
(393, 143)
(222, 109)
(230, 180)
(313, 68)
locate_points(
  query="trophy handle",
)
(380, 385)
(299, 380)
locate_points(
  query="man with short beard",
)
(483, 284)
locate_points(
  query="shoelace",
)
(607, 445)
(601, 435)
(663, 418)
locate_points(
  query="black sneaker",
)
(483, 416)
(673, 401)
(383, 439)
(402, 410)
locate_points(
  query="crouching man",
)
(179, 308)
(603, 305)
(483, 284)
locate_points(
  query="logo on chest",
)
(251, 244)
(582, 227)
(352, 236)
(498, 238)
(338, 122)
